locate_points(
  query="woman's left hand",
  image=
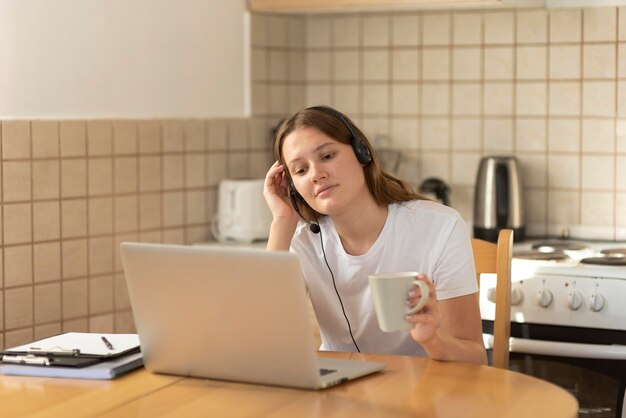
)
(426, 320)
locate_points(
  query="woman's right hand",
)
(276, 193)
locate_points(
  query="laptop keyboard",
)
(324, 372)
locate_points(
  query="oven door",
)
(589, 363)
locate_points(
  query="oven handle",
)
(562, 349)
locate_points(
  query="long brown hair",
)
(384, 187)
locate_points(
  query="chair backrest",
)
(496, 258)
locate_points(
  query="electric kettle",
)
(498, 200)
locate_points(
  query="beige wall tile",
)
(375, 99)
(195, 206)
(621, 48)
(18, 305)
(462, 164)
(195, 135)
(75, 299)
(46, 220)
(346, 30)
(1, 316)
(599, 24)
(436, 64)
(598, 172)
(132, 236)
(499, 27)
(150, 211)
(16, 181)
(531, 62)
(195, 166)
(46, 179)
(564, 207)
(346, 98)
(532, 26)
(599, 61)
(405, 30)
(467, 28)
(436, 164)
(318, 30)
(466, 63)
(100, 215)
(565, 62)
(375, 30)
(47, 262)
(620, 173)
(405, 64)
(435, 134)
(99, 176)
(436, 29)
(259, 58)
(173, 209)
(499, 63)
(73, 138)
(124, 323)
(296, 67)
(296, 32)
(466, 134)
(74, 178)
(598, 135)
(149, 173)
(15, 139)
(564, 135)
(120, 292)
(620, 209)
(373, 126)
(498, 99)
(317, 94)
(533, 169)
(173, 136)
(278, 99)
(536, 208)
(278, 69)
(318, 66)
(435, 99)
(174, 236)
(100, 255)
(599, 98)
(18, 337)
(125, 177)
(101, 323)
(74, 218)
(621, 99)
(173, 172)
(76, 325)
(498, 135)
(565, 25)
(17, 223)
(405, 99)
(238, 165)
(565, 98)
(531, 98)
(18, 266)
(47, 302)
(466, 99)
(149, 137)
(621, 135)
(238, 134)
(296, 99)
(47, 330)
(216, 170)
(563, 172)
(74, 258)
(375, 65)
(530, 134)
(258, 29)
(278, 31)
(622, 23)
(124, 137)
(126, 213)
(45, 137)
(100, 294)
(405, 133)
(99, 138)
(597, 208)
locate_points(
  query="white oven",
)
(568, 319)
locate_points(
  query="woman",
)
(345, 218)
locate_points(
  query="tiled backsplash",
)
(447, 88)
(73, 190)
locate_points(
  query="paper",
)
(81, 344)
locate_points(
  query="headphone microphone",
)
(294, 195)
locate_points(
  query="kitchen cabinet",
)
(300, 6)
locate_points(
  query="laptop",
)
(237, 314)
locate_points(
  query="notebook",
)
(229, 314)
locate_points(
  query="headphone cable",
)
(337, 292)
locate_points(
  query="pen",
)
(107, 343)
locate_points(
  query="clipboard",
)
(72, 349)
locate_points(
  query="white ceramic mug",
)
(390, 292)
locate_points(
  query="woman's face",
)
(325, 172)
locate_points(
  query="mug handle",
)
(425, 294)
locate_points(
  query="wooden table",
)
(408, 386)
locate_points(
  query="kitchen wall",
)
(73, 190)
(446, 88)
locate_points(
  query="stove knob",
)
(544, 298)
(491, 294)
(596, 302)
(574, 300)
(516, 296)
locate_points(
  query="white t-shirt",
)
(418, 235)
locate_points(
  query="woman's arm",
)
(449, 329)
(284, 216)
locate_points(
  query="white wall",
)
(123, 58)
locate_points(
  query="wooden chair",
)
(492, 258)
